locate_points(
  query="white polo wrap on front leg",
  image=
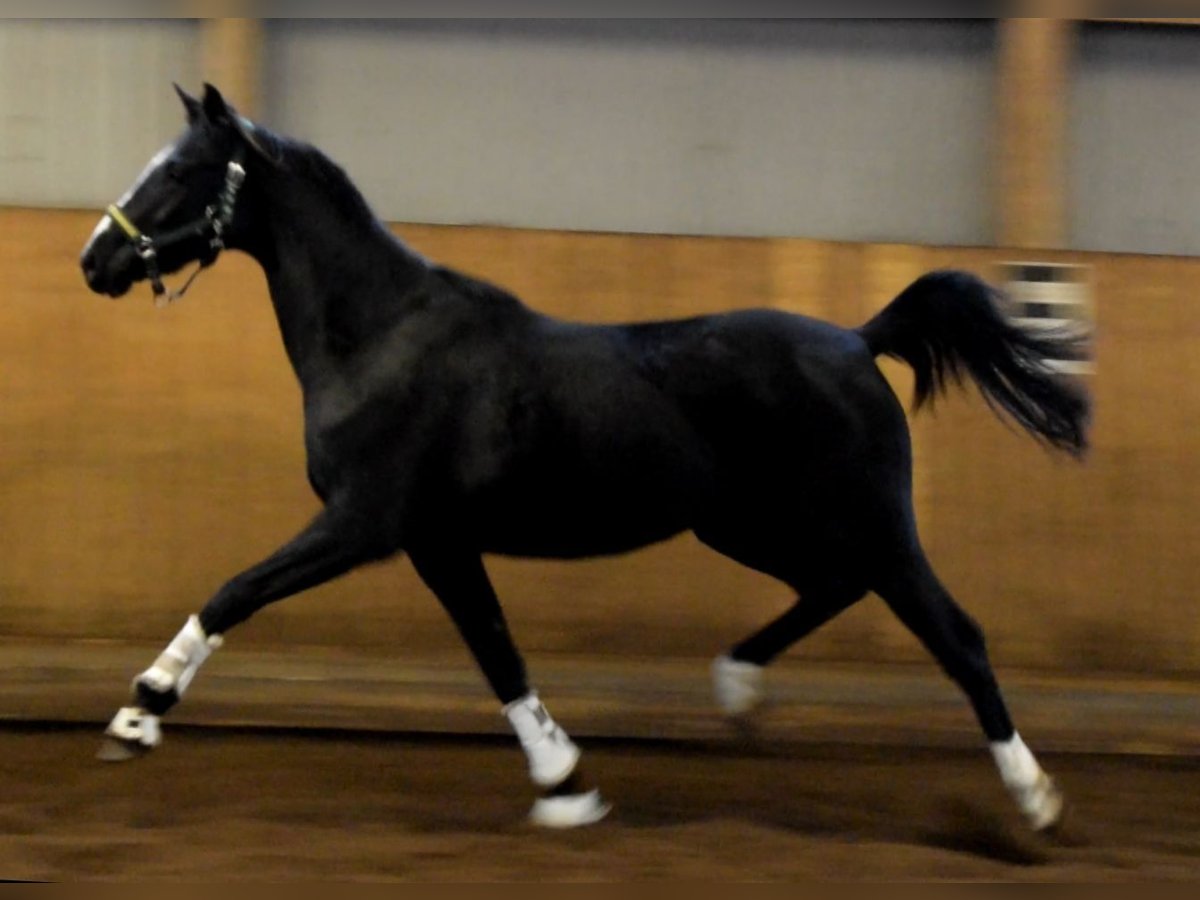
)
(552, 754)
(178, 664)
(1036, 794)
(136, 726)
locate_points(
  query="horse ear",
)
(218, 111)
(194, 109)
(215, 107)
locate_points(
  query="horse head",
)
(187, 205)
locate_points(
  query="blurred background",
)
(607, 170)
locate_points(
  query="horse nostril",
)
(89, 265)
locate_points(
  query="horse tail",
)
(948, 325)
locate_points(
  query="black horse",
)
(446, 420)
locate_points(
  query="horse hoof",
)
(737, 686)
(132, 733)
(117, 750)
(1043, 804)
(569, 810)
(1047, 815)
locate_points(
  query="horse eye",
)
(174, 171)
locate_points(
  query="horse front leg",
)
(460, 582)
(331, 545)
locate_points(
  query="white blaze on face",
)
(153, 166)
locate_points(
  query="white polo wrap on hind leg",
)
(1036, 795)
(737, 686)
(552, 754)
(178, 664)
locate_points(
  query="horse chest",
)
(362, 446)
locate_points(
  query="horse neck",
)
(336, 275)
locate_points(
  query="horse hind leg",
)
(738, 675)
(957, 642)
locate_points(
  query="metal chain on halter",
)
(222, 217)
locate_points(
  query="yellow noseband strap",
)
(131, 230)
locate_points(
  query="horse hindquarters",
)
(838, 522)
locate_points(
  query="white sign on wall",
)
(1056, 297)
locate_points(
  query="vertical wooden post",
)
(232, 60)
(1031, 163)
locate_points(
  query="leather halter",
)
(211, 226)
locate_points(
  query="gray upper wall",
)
(873, 130)
(1135, 134)
(84, 103)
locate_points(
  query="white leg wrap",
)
(552, 755)
(737, 686)
(1039, 800)
(178, 664)
(135, 726)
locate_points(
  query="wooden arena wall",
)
(147, 455)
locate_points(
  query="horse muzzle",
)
(110, 274)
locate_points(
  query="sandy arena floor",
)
(280, 805)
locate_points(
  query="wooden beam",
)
(1031, 164)
(232, 60)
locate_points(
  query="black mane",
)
(312, 167)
